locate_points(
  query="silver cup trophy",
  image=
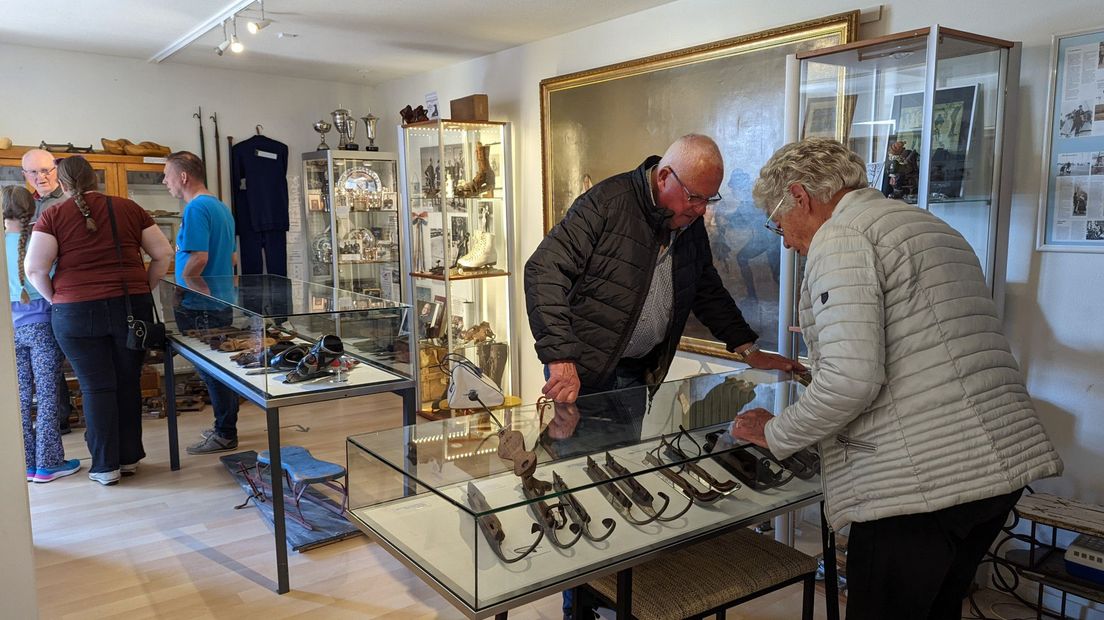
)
(322, 127)
(370, 131)
(345, 124)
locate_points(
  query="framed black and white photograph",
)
(1071, 202)
(952, 125)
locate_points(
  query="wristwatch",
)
(741, 356)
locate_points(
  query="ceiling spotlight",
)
(236, 45)
(255, 26)
(221, 47)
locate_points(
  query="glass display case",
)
(459, 213)
(351, 207)
(495, 508)
(926, 111)
(285, 339)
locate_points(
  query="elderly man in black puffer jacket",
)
(608, 291)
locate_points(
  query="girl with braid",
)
(37, 355)
(89, 313)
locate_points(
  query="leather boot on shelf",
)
(483, 180)
(482, 254)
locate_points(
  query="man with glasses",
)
(40, 171)
(609, 289)
(927, 435)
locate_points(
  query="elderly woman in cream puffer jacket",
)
(916, 402)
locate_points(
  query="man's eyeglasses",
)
(770, 225)
(41, 172)
(692, 198)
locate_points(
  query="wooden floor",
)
(166, 544)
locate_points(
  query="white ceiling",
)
(358, 41)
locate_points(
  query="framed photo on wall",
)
(952, 122)
(1071, 202)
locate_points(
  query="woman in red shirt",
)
(89, 316)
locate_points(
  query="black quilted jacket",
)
(587, 281)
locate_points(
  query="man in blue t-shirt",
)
(205, 260)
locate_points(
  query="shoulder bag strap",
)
(122, 267)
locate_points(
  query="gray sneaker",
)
(213, 443)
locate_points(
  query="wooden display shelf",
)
(492, 273)
(444, 412)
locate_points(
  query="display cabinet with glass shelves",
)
(351, 209)
(927, 111)
(458, 212)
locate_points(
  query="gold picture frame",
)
(605, 121)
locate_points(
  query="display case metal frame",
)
(402, 386)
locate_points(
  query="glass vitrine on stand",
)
(351, 207)
(926, 109)
(458, 213)
(279, 342)
(499, 508)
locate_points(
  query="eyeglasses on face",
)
(693, 199)
(770, 225)
(40, 172)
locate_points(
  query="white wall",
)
(61, 97)
(1051, 298)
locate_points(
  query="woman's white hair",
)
(821, 165)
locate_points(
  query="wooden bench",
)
(709, 577)
(301, 470)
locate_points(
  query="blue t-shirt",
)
(38, 310)
(207, 226)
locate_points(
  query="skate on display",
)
(482, 254)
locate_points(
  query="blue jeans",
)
(93, 335)
(224, 401)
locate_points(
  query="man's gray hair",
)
(821, 165)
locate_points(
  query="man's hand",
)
(563, 382)
(564, 421)
(751, 425)
(772, 361)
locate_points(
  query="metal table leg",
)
(276, 475)
(170, 407)
(410, 406)
(624, 594)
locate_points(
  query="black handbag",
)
(141, 335)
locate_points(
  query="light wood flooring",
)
(166, 544)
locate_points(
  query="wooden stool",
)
(709, 577)
(301, 470)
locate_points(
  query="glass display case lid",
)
(444, 455)
(903, 49)
(268, 295)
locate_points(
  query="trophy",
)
(322, 127)
(345, 124)
(370, 131)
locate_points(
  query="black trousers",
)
(93, 334)
(920, 565)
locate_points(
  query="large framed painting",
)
(604, 121)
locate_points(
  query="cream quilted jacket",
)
(916, 400)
